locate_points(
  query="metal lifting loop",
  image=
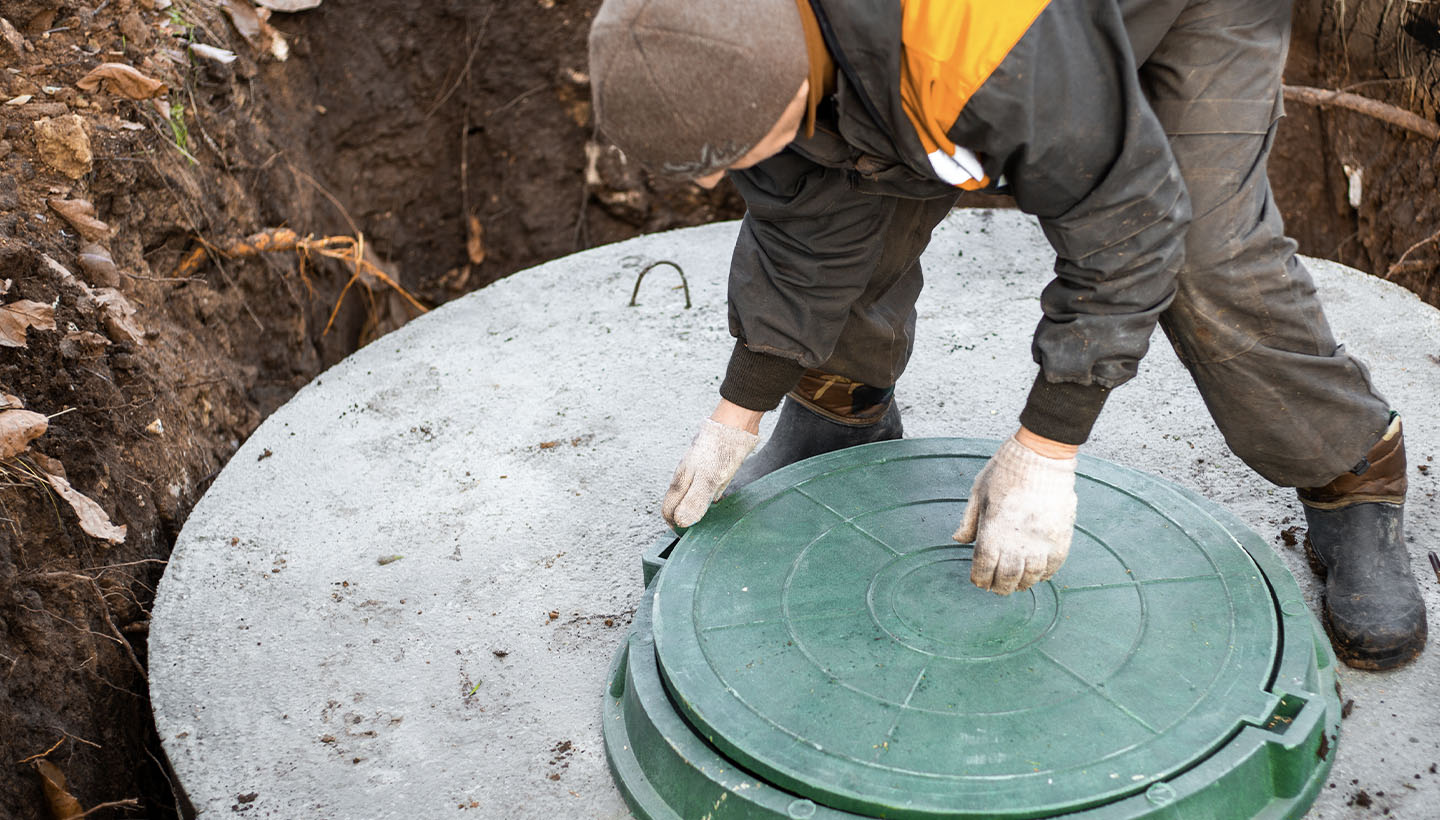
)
(653, 265)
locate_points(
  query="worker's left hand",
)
(705, 471)
(1020, 518)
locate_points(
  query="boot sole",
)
(1367, 660)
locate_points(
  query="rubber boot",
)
(803, 431)
(1356, 544)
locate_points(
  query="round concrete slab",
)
(512, 448)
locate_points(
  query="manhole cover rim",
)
(789, 773)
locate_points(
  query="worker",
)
(1136, 131)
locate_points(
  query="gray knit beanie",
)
(686, 87)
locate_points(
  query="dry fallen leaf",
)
(17, 429)
(63, 805)
(80, 213)
(47, 464)
(12, 39)
(9, 402)
(93, 519)
(16, 317)
(118, 315)
(98, 265)
(83, 344)
(121, 79)
(252, 25)
(288, 5)
(475, 240)
(219, 55)
(243, 16)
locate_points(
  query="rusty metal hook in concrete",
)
(684, 283)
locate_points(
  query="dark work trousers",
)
(879, 333)
(1245, 320)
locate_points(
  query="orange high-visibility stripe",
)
(949, 49)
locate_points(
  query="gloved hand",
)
(705, 471)
(1020, 517)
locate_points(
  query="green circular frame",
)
(1258, 713)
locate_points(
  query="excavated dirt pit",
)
(446, 144)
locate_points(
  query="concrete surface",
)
(513, 446)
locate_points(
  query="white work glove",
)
(705, 471)
(1020, 518)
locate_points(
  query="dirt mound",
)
(439, 146)
(447, 141)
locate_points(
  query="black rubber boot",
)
(1373, 608)
(801, 433)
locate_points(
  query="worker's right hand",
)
(1020, 517)
(705, 471)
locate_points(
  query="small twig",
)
(1400, 264)
(518, 99)
(465, 70)
(354, 229)
(165, 772)
(128, 803)
(465, 137)
(582, 234)
(122, 690)
(126, 564)
(78, 739)
(347, 249)
(97, 375)
(141, 278)
(245, 303)
(61, 413)
(652, 266)
(195, 108)
(115, 630)
(44, 484)
(262, 166)
(1384, 112)
(68, 622)
(42, 754)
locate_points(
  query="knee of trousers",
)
(1232, 298)
(1241, 286)
(1297, 420)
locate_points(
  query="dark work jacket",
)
(1061, 120)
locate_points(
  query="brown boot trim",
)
(1382, 476)
(1351, 500)
(831, 396)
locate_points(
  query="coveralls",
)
(1136, 131)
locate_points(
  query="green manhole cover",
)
(815, 641)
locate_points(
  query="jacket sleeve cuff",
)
(1063, 411)
(758, 381)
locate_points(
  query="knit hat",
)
(687, 87)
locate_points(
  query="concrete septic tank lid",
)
(513, 447)
(819, 629)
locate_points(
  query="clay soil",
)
(451, 141)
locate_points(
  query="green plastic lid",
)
(817, 637)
